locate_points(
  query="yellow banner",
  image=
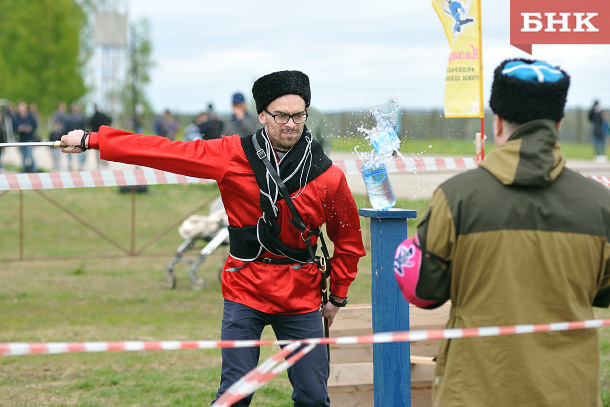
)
(464, 79)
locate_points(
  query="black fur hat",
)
(274, 85)
(524, 90)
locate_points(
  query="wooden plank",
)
(350, 374)
(352, 389)
(333, 333)
(362, 352)
(423, 360)
(421, 397)
(352, 396)
(422, 319)
(359, 317)
(363, 396)
(356, 317)
(422, 375)
(425, 348)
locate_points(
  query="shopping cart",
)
(195, 229)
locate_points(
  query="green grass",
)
(114, 297)
(65, 297)
(457, 147)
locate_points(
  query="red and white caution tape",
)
(262, 374)
(273, 366)
(414, 165)
(257, 378)
(149, 176)
(87, 179)
(17, 349)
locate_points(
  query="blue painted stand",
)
(391, 361)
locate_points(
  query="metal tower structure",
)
(111, 54)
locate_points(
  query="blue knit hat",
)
(524, 90)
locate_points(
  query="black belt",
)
(268, 260)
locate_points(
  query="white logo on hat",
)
(536, 68)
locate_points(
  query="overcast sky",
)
(356, 53)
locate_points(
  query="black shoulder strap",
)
(296, 220)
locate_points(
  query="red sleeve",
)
(93, 143)
(199, 158)
(343, 229)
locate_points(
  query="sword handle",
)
(59, 144)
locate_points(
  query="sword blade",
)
(54, 144)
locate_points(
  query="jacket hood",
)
(530, 157)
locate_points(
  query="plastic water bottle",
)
(384, 139)
(378, 187)
(386, 112)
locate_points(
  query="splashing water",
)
(385, 144)
(383, 137)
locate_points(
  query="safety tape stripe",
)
(262, 374)
(273, 366)
(16, 349)
(440, 163)
(392, 166)
(149, 176)
(170, 178)
(247, 384)
(129, 176)
(106, 177)
(89, 179)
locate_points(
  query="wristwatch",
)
(335, 301)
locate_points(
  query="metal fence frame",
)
(125, 252)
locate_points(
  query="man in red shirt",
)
(269, 277)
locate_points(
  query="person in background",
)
(99, 119)
(56, 130)
(520, 240)
(210, 126)
(166, 125)
(33, 108)
(55, 133)
(605, 125)
(135, 122)
(76, 120)
(317, 126)
(25, 125)
(240, 122)
(599, 141)
(193, 130)
(3, 137)
(270, 276)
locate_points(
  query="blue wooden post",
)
(391, 361)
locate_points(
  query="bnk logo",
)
(558, 22)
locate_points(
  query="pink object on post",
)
(407, 265)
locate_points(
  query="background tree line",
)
(41, 51)
(44, 49)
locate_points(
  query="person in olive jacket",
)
(520, 240)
